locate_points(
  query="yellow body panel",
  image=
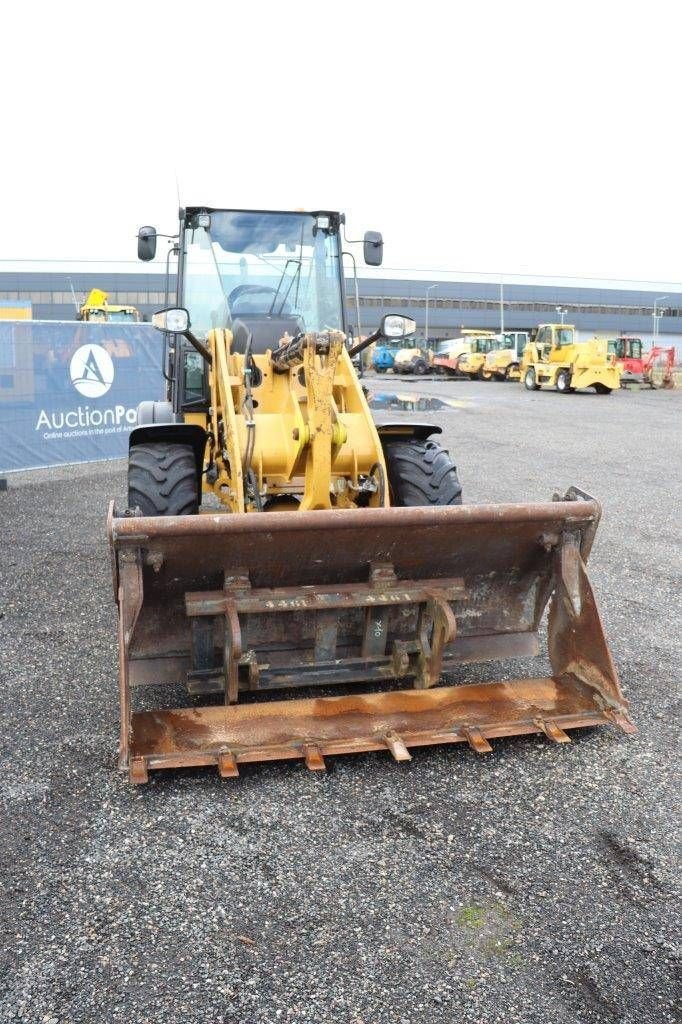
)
(312, 431)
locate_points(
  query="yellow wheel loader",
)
(275, 538)
(555, 357)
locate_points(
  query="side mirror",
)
(394, 325)
(373, 248)
(174, 320)
(146, 243)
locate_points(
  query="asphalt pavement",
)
(540, 882)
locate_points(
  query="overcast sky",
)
(518, 137)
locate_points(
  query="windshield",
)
(277, 272)
(120, 315)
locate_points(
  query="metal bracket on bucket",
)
(420, 657)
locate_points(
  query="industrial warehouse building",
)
(449, 303)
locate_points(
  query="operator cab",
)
(267, 276)
(625, 348)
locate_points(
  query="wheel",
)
(162, 479)
(482, 373)
(421, 473)
(529, 380)
(420, 367)
(563, 382)
(602, 389)
(380, 369)
(513, 367)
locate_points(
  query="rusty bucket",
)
(228, 606)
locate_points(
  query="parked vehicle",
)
(503, 361)
(555, 358)
(413, 360)
(339, 551)
(96, 308)
(472, 363)
(450, 352)
(383, 358)
(654, 367)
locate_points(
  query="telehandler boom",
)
(330, 550)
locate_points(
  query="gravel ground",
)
(537, 883)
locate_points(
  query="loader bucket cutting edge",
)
(225, 604)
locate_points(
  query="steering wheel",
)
(255, 289)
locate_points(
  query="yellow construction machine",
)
(503, 361)
(472, 363)
(330, 550)
(96, 308)
(412, 359)
(449, 351)
(555, 357)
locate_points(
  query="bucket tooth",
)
(313, 758)
(397, 747)
(477, 740)
(227, 765)
(139, 772)
(551, 730)
(620, 719)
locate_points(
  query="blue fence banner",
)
(69, 391)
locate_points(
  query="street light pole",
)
(656, 316)
(426, 320)
(562, 313)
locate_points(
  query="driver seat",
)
(266, 330)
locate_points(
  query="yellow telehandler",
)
(330, 551)
(556, 358)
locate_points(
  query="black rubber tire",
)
(380, 369)
(421, 473)
(420, 367)
(162, 479)
(529, 381)
(565, 387)
(602, 389)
